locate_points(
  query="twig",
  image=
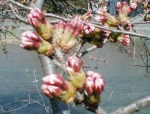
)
(21, 5)
(20, 18)
(87, 51)
(37, 89)
(134, 107)
(56, 16)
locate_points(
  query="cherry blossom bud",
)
(75, 63)
(37, 19)
(30, 40)
(53, 85)
(133, 6)
(118, 5)
(88, 29)
(124, 39)
(102, 16)
(76, 25)
(65, 34)
(128, 25)
(89, 85)
(99, 86)
(54, 79)
(76, 78)
(94, 83)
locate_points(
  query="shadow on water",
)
(125, 83)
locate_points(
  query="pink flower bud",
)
(128, 25)
(118, 5)
(93, 75)
(103, 16)
(44, 88)
(54, 79)
(75, 63)
(53, 85)
(36, 17)
(99, 85)
(66, 34)
(88, 29)
(89, 85)
(54, 90)
(30, 39)
(76, 25)
(124, 39)
(94, 83)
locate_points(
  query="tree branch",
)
(19, 17)
(134, 107)
(19, 4)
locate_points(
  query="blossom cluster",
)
(47, 38)
(90, 84)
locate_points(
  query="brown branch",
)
(134, 107)
(98, 25)
(122, 31)
(18, 16)
(19, 4)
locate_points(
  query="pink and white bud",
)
(132, 7)
(128, 25)
(89, 87)
(65, 34)
(54, 90)
(53, 79)
(99, 86)
(118, 5)
(38, 20)
(53, 85)
(30, 40)
(75, 63)
(36, 17)
(88, 29)
(76, 25)
(102, 16)
(93, 75)
(124, 39)
(94, 83)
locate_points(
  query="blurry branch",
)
(134, 107)
(19, 4)
(87, 51)
(17, 16)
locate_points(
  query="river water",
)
(125, 82)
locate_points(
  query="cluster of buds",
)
(54, 86)
(31, 40)
(124, 9)
(90, 84)
(37, 19)
(94, 35)
(94, 87)
(105, 18)
(75, 73)
(94, 83)
(65, 34)
(124, 39)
